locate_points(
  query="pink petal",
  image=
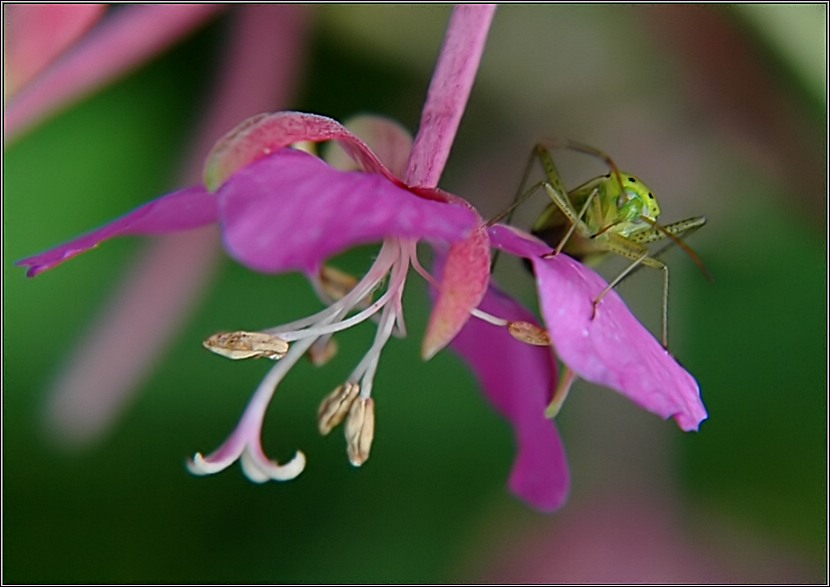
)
(182, 210)
(390, 141)
(121, 42)
(291, 211)
(448, 92)
(466, 273)
(261, 135)
(519, 379)
(38, 33)
(612, 349)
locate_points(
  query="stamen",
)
(387, 258)
(494, 320)
(526, 332)
(360, 430)
(313, 336)
(389, 318)
(335, 284)
(565, 381)
(322, 351)
(335, 406)
(246, 345)
(529, 333)
(419, 269)
(330, 327)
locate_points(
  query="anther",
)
(322, 351)
(529, 333)
(335, 406)
(360, 430)
(336, 283)
(246, 345)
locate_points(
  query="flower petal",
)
(448, 92)
(519, 379)
(291, 211)
(387, 139)
(612, 349)
(263, 134)
(181, 210)
(465, 275)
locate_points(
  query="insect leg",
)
(640, 256)
(575, 222)
(674, 231)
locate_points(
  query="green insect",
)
(614, 213)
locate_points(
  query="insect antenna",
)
(518, 199)
(588, 150)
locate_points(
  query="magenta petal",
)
(291, 211)
(182, 210)
(612, 349)
(519, 379)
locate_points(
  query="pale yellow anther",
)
(529, 333)
(320, 354)
(360, 430)
(335, 406)
(246, 345)
(336, 283)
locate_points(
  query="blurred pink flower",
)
(58, 53)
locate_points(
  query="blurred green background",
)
(722, 110)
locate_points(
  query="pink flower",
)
(282, 209)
